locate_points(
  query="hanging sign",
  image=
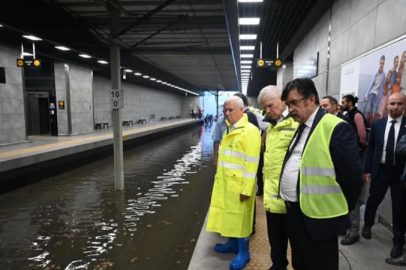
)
(266, 62)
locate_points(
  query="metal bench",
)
(100, 125)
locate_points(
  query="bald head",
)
(233, 109)
(396, 105)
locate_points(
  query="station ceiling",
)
(183, 42)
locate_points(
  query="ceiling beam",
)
(318, 10)
(183, 51)
(139, 3)
(144, 18)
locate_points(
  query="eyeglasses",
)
(294, 102)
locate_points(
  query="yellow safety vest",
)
(320, 194)
(278, 139)
(236, 174)
(254, 110)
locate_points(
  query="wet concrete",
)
(77, 221)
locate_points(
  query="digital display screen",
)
(308, 68)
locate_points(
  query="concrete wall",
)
(284, 75)
(357, 26)
(81, 98)
(61, 95)
(12, 118)
(139, 102)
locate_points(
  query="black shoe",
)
(397, 251)
(366, 232)
(401, 261)
(260, 192)
(349, 240)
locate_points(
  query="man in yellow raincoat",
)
(232, 203)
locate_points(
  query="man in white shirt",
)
(385, 170)
(321, 179)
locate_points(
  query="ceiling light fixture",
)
(33, 38)
(85, 56)
(102, 62)
(248, 37)
(246, 62)
(128, 70)
(245, 67)
(250, 1)
(249, 21)
(62, 48)
(247, 55)
(145, 76)
(247, 48)
(1, 25)
(152, 79)
(159, 81)
(137, 74)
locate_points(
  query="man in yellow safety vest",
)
(279, 134)
(232, 202)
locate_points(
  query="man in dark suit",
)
(385, 168)
(321, 179)
(330, 104)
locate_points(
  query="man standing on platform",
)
(278, 137)
(321, 179)
(232, 203)
(330, 104)
(385, 168)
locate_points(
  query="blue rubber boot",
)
(243, 256)
(230, 246)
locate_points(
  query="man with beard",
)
(357, 121)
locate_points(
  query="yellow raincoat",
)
(236, 174)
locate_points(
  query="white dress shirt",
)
(385, 138)
(290, 172)
(283, 116)
(232, 127)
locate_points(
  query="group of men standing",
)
(312, 172)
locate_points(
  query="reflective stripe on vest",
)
(232, 166)
(320, 195)
(240, 155)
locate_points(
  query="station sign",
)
(28, 63)
(61, 105)
(266, 62)
(117, 99)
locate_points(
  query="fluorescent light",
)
(250, 1)
(247, 55)
(85, 56)
(1, 25)
(246, 62)
(152, 79)
(62, 48)
(159, 81)
(137, 74)
(249, 21)
(248, 37)
(102, 62)
(245, 71)
(247, 48)
(128, 70)
(27, 54)
(145, 76)
(245, 67)
(32, 38)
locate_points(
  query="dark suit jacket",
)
(343, 117)
(375, 147)
(401, 151)
(348, 168)
(251, 117)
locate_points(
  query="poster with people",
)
(374, 77)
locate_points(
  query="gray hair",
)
(271, 91)
(238, 101)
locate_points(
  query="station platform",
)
(42, 152)
(364, 255)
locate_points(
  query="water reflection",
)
(74, 220)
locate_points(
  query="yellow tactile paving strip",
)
(259, 244)
(52, 146)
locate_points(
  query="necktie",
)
(298, 135)
(390, 146)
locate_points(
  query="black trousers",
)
(378, 188)
(308, 254)
(260, 180)
(277, 225)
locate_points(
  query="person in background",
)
(232, 203)
(321, 179)
(217, 135)
(384, 168)
(396, 85)
(374, 93)
(382, 111)
(330, 104)
(394, 70)
(402, 72)
(340, 109)
(400, 151)
(278, 136)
